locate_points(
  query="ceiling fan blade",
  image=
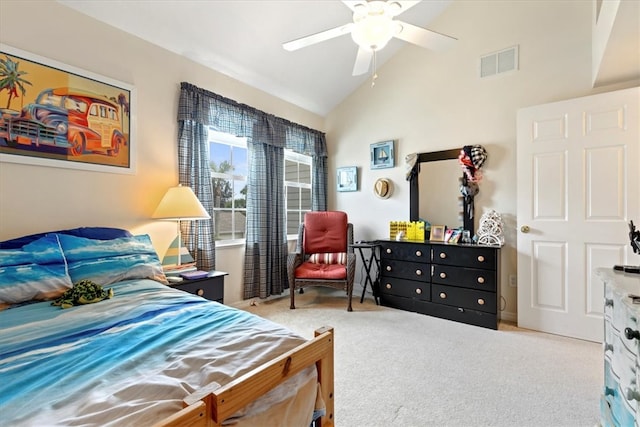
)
(318, 37)
(363, 61)
(424, 38)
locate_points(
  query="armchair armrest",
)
(294, 259)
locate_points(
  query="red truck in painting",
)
(75, 120)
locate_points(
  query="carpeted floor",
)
(395, 368)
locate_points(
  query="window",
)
(229, 170)
(297, 182)
(228, 161)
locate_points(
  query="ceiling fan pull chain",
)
(374, 74)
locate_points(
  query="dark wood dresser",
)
(455, 282)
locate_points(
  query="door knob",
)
(525, 229)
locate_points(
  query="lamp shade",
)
(180, 203)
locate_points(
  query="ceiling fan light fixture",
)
(374, 32)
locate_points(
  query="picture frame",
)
(58, 115)
(437, 233)
(382, 155)
(347, 178)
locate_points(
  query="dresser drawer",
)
(405, 288)
(402, 303)
(414, 252)
(462, 297)
(405, 270)
(468, 256)
(615, 309)
(466, 277)
(458, 314)
(211, 287)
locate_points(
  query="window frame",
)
(292, 156)
(215, 136)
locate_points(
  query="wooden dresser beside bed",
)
(149, 354)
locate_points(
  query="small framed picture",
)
(347, 178)
(382, 155)
(437, 233)
(448, 234)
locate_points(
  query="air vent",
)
(499, 62)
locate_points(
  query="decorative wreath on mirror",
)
(471, 158)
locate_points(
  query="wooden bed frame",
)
(209, 408)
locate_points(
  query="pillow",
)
(110, 261)
(329, 258)
(37, 271)
(103, 233)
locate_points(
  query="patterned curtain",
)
(267, 137)
(194, 171)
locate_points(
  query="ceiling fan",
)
(372, 27)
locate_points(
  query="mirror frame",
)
(414, 190)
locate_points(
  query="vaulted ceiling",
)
(243, 39)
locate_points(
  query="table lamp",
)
(180, 204)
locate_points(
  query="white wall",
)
(36, 199)
(434, 101)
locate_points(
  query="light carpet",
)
(396, 368)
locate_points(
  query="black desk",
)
(368, 263)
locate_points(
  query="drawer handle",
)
(200, 292)
(443, 255)
(608, 391)
(608, 302)
(388, 268)
(480, 258)
(418, 272)
(608, 347)
(631, 334)
(418, 291)
(443, 275)
(388, 286)
(480, 301)
(443, 295)
(633, 395)
(389, 250)
(418, 253)
(481, 279)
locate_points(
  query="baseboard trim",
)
(509, 316)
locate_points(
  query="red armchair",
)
(323, 255)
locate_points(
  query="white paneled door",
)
(578, 187)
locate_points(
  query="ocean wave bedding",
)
(131, 359)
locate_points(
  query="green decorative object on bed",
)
(83, 292)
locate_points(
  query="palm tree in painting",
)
(124, 106)
(11, 79)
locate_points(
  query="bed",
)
(141, 352)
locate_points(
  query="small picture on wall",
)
(347, 179)
(382, 155)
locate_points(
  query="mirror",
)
(436, 179)
(440, 199)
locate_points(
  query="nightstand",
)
(210, 287)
